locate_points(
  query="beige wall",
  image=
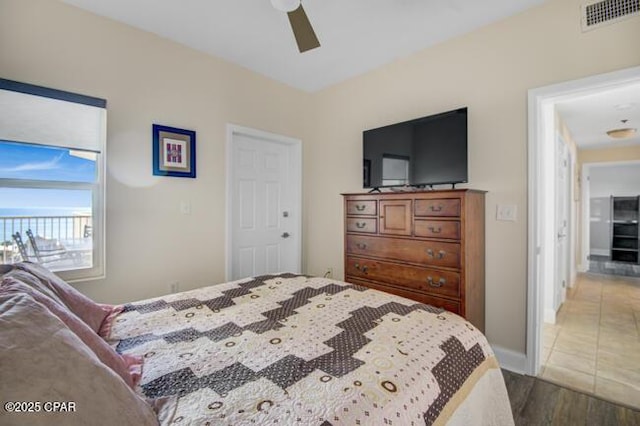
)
(604, 155)
(146, 80)
(490, 71)
(149, 80)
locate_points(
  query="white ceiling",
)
(589, 117)
(355, 35)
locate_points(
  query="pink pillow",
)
(126, 366)
(42, 360)
(93, 314)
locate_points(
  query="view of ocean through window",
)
(50, 209)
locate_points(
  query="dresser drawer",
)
(445, 207)
(362, 224)
(450, 305)
(362, 207)
(437, 229)
(423, 253)
(443, 283)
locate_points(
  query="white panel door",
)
(264, 207)
(561, 223)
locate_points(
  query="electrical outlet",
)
(174, 287)
(329, 273)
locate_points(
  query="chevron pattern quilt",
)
(296, 350)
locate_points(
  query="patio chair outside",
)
(21, 246)
(50, 253)
(46, 255)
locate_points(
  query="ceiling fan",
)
(302, 29)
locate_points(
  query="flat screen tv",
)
(422, 152)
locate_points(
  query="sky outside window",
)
(38, 162)
(54, 201)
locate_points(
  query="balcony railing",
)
(71, 234)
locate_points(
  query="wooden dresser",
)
(424, 245)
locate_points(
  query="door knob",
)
(285, 235)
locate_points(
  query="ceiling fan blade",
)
(302, 30)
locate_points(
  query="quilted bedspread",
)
(296, 350)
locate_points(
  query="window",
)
(52, 152)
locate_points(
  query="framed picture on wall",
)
(174, 152)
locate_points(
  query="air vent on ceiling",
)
(605, 12)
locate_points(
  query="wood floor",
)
(537, 402)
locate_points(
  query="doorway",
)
(543, 206)
(264, 203)
(596, 331)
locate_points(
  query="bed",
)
(292, 349)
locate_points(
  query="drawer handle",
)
(361, 246)
(360, 207)
(437, 208)
(439, 283)
(435, 230)
(360, 225)
(364, 268)
(441, 254)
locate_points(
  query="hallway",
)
(594, 346)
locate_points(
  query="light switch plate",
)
(506, 212)
(185, 207)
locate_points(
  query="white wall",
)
(599, 226)
(618, 180)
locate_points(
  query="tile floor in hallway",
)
(594, 346)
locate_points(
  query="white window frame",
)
(97, 188)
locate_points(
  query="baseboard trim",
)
(600, 252)
(513, 361)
